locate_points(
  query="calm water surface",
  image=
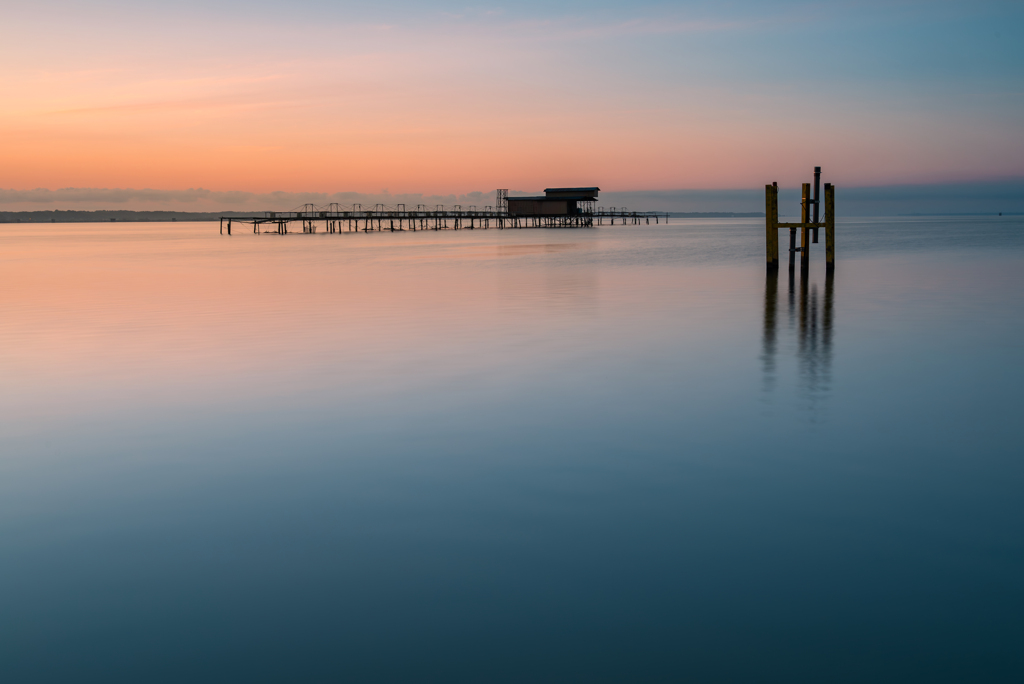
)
(606, 455)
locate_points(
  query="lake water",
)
(608, 455)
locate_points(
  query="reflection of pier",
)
(559, 208)
(811, 315)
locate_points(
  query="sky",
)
(144, 104)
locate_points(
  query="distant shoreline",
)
(112, 216)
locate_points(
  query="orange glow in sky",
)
(638, 97)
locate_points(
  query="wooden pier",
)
(336, 218)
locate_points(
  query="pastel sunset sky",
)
(450, 97)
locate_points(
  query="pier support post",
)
(771, 227)
(805, 218)
(830, 227)
(816, 201)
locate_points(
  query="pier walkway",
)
(335, 218)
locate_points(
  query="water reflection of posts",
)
(807, 336)
(769, 335)
(826, 319)
(812, 317)
(814, 341)
(814, 347)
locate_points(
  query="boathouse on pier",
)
(555, 202)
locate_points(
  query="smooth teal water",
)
(617, 454)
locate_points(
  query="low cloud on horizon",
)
(1005, 196)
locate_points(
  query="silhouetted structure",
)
(557, 208)
(555, 202)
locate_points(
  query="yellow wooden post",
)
(771, 221)
(830, 226)
(775, 223)
(805, 218)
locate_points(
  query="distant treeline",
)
(102, 216)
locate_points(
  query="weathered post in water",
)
(817, 183)
(771, 212)
(805, 220)
(830, 227)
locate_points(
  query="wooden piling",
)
(805, 218)
(830, 227)
(771, 227)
